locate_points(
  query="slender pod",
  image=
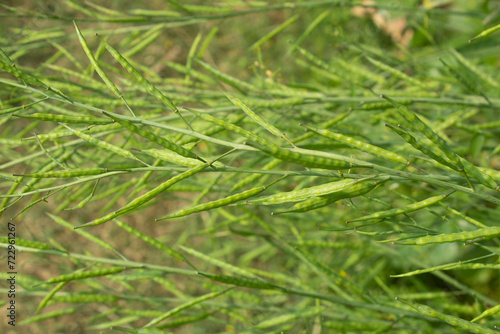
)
(85, 234)
(283, 318)
(357, 70)
(191, 55)
(67, 173)
(463, 216)
(310, 204)
(84, 201)
(211, 130)
(406, 209)
(241, 281)
(423, 146)
(259, 120)
(486, 32)
(457, 117)
(172, 157)
(48, 315)
(474, 86)
(273, 103)
(301, 159)
(154, 138)
(382, 105)
(146, 39)
(177, 322)
(416, 124)
(147, 196)
(362, 146)
(192, 72)
(487, 313)
(184, 306)
(101, 129)
(356, 189)
(27, 243)
(453, 266)
(51, 294)
(219, 263)
(139, 77)
(254, 177)
(152, 241)
(7, 64)
(98, 68)
(374, 326)
(454, 321)
(230, 127)
(274, 32)
(85, 298)
(397, 73)
(218, 203)
(473, 69)
(483, 233)
(309, 29)
(105, 145)
(240, 85)
(84, 274)
(66, 118)
(303, 194)
(473, 171)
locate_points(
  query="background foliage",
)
(240, 82)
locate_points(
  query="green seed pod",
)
(241, 86)
(416, 124)
(98, 241)
(423, 146)
(454, 321)
(139, 77)
(254, 177)
(483, 233)
(273, 103)
(374, 326)
(241, 281)
(84, 274)
(301, 159)
(397, 73)
(219, 263)
(154, 138)
(477, 174)
(7, 65)
(362, 146)
(48, 315)
(382, 105)
(218, 203)
(356, 189)
(259, 120)
(147, 196)
(282, 318)
(486, 32)
(67, 173)
(473, 69)
(169, 156)
(179, 321)
(85, 298)
(49, 296)
(487, 313)
(184, 306)
(152, 241)
(105, 145)
(65, 118)
(406, 209)
(98, 68)
(303, 194)
(230, 127)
